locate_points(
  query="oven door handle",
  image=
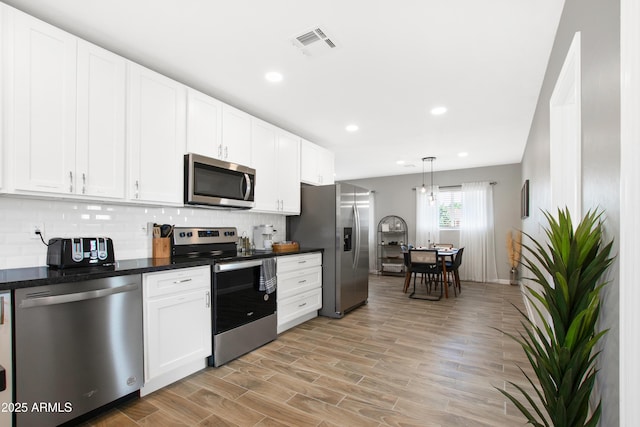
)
(230, 266)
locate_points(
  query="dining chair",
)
(407, 269)
(426, 263)
(452, 268)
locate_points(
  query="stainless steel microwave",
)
(212, 182)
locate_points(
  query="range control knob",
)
(189, 234)
(182, 234)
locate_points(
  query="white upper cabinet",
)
(264, 139)
(276, 158)
(3, 98)
(317, 165)
(68, 113)
(204, 125)
(156, 136)
(100, 144)
(43, 134)
(289, 172)
(236, 136)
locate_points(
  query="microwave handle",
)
(247, 192)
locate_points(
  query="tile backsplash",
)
(125, 224)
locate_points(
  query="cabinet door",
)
(157, 136)
(309, 173)
(177, 331)
(100, 145)
(236, 136)
(44, 106)
(204, 125)
(264, 141)
(3, 63)
(326, 166)
(288, 169)
(288, 263)
(316, 164)
(297, 282)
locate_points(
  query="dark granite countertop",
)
(37, 276)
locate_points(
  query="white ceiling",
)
(395, 60)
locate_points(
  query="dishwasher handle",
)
(76, 296)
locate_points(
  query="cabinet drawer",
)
(181, 280)
(299, 305)
(296, 282)
(296, 262)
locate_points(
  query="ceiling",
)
(393, 62)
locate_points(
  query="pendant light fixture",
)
(432, 197)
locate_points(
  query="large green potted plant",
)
(562, 349)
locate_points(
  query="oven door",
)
(236, 296)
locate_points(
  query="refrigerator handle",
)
(356, 253)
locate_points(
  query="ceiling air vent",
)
(314, 42)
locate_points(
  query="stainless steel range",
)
(243, 316)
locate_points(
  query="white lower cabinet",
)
(299, 289)
(6, 394)
(177, 325)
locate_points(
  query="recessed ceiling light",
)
(463, 154)
(436, 111)
(352, 128)
(273, 77)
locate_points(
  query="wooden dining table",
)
(443, 253)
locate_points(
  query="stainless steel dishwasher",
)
(78, 346)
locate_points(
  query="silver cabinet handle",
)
(208, 303)
(220, 151)
(137, 185)
(84, 182)
(302, 262)
(301, 281)
(182, 281)
(1, 310)
(75, 297)
(70, 181)
(226, 152)
(302, 305)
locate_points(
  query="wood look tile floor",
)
(393, 362)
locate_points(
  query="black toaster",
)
(80, 252)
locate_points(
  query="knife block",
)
(161, 247)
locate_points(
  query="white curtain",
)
(477, 233)
(427, 218)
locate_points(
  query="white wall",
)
(125, 224)
(599, 25)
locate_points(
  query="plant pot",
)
(513, 276)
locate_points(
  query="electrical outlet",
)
(37, 227)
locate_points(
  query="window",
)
(450, 207)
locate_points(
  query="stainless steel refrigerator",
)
(336, 218)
